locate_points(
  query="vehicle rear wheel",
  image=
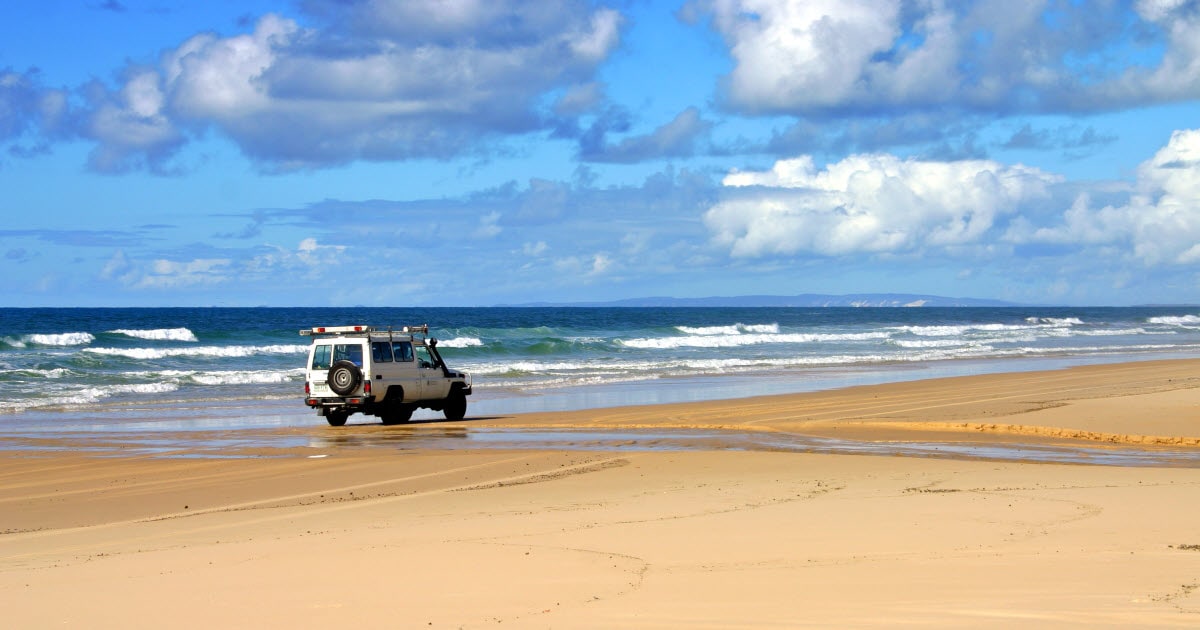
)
(398, 414)
(344, 378)
(336, 418)
(456, 406)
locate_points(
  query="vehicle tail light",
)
(307, 389)
(367, 388)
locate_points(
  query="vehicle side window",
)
(348, 352)
(381, 352)
(424, 358)
(404, 350)
(321, 356)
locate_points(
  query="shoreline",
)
(1092, 404)
(279, 411)
(311, 526)
(751, 384)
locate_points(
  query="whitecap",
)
(732, 341)
(735, 329)
(59, 339)
(1055, 321)
(51, 373)
(760, 328)
(930, 343)
(199, 351)
(531, 367)
(460, 342)
(705, 331)
(158, 334)
(1176, 320)
(1113, 332)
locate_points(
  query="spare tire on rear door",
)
(344, 378)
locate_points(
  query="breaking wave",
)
(1187, 321)
(86, 396)
(226, 377)
(158, 334)
(460, 342)
(714, 340)
(53, 339)
(199, 351)
(735, 329)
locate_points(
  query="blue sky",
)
(472, 153)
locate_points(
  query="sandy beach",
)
(630, 524)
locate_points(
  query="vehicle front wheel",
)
(336, 418)
(456, 406)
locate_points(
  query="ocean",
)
(243, 367)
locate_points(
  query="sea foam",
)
(86, 396)
(225, 377)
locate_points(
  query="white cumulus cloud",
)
(814, 52)
(167, 274)
(221, 79)
(1160, 224)
(869, 56)
(308, 257)
(372, 80)
(874, 203)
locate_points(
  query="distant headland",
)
(806, 300)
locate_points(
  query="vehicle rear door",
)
(324, 355)
(320, 358)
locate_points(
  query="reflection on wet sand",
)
(438, 436)
(668, 440)
(400, 437)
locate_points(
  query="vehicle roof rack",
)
(342, 330)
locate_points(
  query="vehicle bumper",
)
(354, 403)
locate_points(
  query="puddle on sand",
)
(449, 438)
(167, 444)
(230, 444)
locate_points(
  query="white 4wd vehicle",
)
(380, 372)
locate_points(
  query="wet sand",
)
(678, 515)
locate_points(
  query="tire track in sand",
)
(18, 547)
